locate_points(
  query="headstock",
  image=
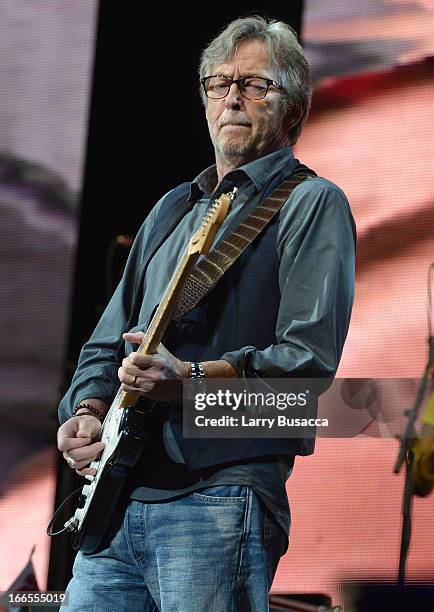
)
(202, 240)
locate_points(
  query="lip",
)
(236, 125)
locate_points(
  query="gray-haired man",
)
(205, 531)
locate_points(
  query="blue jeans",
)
(215, 550)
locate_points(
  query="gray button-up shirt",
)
(315, 246)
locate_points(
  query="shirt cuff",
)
(239, 360)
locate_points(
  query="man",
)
(209, 520)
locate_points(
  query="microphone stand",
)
(406, 455)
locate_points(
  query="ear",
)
(292, 119)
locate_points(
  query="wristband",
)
(91, 409)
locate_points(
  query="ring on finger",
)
(70, 462)
(134, 380)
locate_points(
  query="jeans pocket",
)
(222, 494)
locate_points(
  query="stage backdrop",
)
(372, 132)
(46, 57)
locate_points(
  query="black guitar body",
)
(133, 439)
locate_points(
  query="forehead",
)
(251, 57)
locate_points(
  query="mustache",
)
(233, 121)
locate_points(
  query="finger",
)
(129, 368)
(92, 450)
(71, 462)
(88, 426)
(75, 463)
(135, 390)
(129, 373)
(141, 361)
(86, 435)
(67, 444)
(67, 430)
(79, 465)
(126, 378)
(142, 381)
(134, 338)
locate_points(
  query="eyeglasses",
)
(251, 88)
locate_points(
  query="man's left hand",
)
(158, 376)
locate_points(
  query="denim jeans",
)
(215, 550)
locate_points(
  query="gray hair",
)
(286, 58)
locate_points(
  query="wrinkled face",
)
(242, 130)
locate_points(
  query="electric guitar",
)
(124, 427)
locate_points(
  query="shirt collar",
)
(258, 172)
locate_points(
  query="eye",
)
(255, 85)
(217, 84)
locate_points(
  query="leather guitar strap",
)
(212, 267)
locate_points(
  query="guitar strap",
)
(212, 267)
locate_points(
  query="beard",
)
(244, 146)
(232, 149)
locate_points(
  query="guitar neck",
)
(166, 308)
(162, 317)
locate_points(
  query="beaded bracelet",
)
(92, 409)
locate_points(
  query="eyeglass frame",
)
(237, 81)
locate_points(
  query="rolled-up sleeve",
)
(316, 247)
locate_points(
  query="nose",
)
(234, 99)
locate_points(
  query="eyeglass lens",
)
(253, 88)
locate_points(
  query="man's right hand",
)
(76, 440)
